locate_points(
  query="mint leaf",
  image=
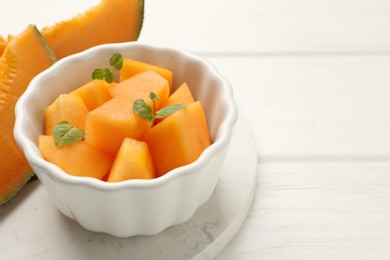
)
(143, 110)
(116, 61)
(153, 96)
(103, 74)
(168, 110)
(65, 134)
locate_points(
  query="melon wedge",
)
(179, 139)
(133, 161)
(66, 107)
(132, 67)
(107, 125)
(110, 21)
(2, 45)
(78, 159)
(94, 93)
(23, 58)
(141, 85)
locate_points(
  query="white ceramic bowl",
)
(133, 207)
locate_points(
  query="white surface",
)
(312, 77)
(32, 228)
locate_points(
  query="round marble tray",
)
(32, 228)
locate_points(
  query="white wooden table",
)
(313, 79)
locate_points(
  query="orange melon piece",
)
(2, 45)
(133, 161)
(182, 95)
(108, 22)
(94, 93)
(131, 67)
(141, 85)
(66, 107)
(179, 139)
(78, 159)
(24, 57)
(107, 125)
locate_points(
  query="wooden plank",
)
(282, 26)
(326, 108)
(225, 26)
(317, 211)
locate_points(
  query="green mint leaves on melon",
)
(106, 74)
(103, 74)
(143, 110)
(116, 61)
(65, 134)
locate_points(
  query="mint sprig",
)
(65, 134)
(116, 61)
(143, 110)
(103, 74)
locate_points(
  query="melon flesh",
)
(78, 159)
(133, 161)
(182, 95)
(68, 108)
(2, 45)
(141, 85)
(110, 21)
(94, 93)
(179, 139)
(23, 58)
(132, 67)
(107, 125)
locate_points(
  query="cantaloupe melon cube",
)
(133, 161)
(179, 139)
(132, 67)
(107, 125)
(78, 159)
(94, 93)
(141, 85)
(182, 95)
(66, 107)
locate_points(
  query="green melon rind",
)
(141, 13)
(10, 195)
(44, 42)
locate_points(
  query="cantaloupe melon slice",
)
(141, 85)
(66, 107)
(182, 95)
(94, 93)
(179, 139)
(2, 45)
(23, 58)
(78, 159)
(108, 22)
(107, 125)
(133, 161)
(131, 67)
